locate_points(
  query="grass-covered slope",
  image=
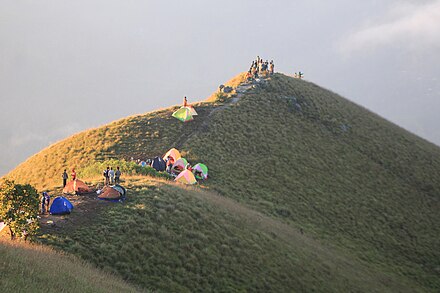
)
(30, 268)
(169, 238)
(317, 161)
(366, 190)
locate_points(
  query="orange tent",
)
(76, 187)
(109, 193)
(175, 154)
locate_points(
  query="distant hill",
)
(358, 187)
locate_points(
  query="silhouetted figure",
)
(65, 177)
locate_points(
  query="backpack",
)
(105, 173)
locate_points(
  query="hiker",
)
(271, 67)
(105, 174)
(185, 102)
(73, 175)
(65, 176)
(249, 75)
(111, 175)
(47, 200)
(43, 204)
(117, 175)
(170, 163)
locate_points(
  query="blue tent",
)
(61, 206)
(159, 164)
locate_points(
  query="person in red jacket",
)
(73, 175)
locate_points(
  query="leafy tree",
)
(19, 208)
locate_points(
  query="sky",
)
(66, 66)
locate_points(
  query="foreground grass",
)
(182, 240)
(33, 268)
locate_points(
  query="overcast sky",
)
(66, 66)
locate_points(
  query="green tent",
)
(183, 114)
(200, 171)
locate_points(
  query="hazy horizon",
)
(66, 67)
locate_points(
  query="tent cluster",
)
(185, 113)
(182, 170)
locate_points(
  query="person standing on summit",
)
(65, 176)
(185, 102)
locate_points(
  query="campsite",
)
(219, 146)
(235, 212)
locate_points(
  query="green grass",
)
(363, 188)
(32, 268)
(175, 239)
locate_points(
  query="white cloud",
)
(407, 25)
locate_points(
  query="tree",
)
(19, 208)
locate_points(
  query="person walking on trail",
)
(106, 176)
(117, 175)
(111, 175)
(73, 175)
(65, 177)
(185, 102)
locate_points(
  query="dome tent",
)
(200, 171)
(113, 193)
(60, 206)
(158, 164)
(76, 187)
(179, 165)
(186, 177)
(183, 114)
(173, 153)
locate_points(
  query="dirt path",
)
(241, 90)
(86, 208)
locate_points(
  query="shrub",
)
(19, 208)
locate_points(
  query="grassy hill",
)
(307, 191)
(30, 268)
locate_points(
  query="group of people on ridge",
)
(111, 177)
(260, 68)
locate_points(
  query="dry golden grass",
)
(26, 267)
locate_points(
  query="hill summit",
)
(299, 155)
